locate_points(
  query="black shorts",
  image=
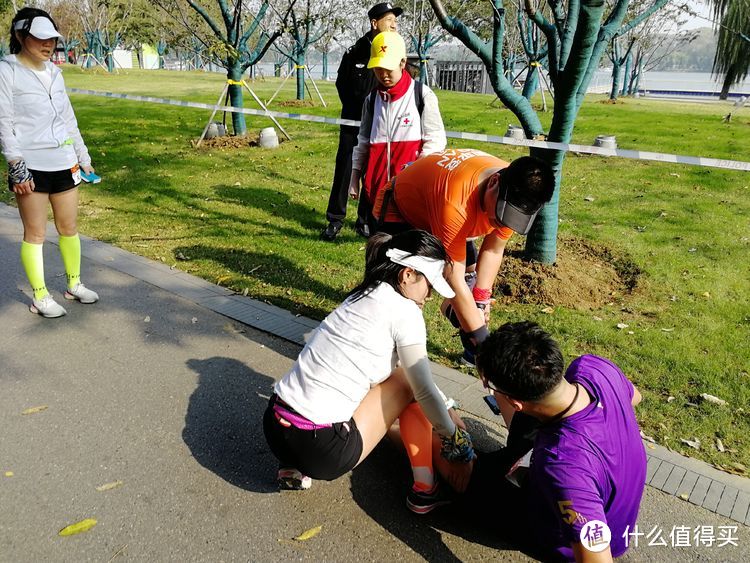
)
(324, 453)
(54, 182)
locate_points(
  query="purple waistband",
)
(297, 420)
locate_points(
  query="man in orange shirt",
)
(458, 195)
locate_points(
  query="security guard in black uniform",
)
(353, 82)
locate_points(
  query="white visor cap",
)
(41, 28)
(430, 268)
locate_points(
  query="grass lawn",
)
(249, 219)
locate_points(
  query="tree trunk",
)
(541, 242)
(729, 80)
(531, 85)
(626, 74)
(325, 65)
(616, 68)
(236, 99)
(300, 63)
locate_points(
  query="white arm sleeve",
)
(417, 367)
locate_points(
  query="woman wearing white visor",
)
(363, 368)
(44, 149)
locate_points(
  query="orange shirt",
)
(438, 193)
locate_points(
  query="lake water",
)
(600, 83)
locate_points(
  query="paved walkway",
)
(159, 388)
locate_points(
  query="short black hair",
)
(27, 14)
(530, 182)
(521, 360)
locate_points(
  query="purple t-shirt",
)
(591, 465)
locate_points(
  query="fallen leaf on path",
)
(147, 319)
(34, 410)
(695, 444)
(311, 533)
(77, 528)
(684, 496)
(109, 486)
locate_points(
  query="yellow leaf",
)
(9, 474)
(34, 410)
(77, 528)
(109, 486)
(311, 533)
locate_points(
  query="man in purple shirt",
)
(587, 468)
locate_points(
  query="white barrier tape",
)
(586, 149)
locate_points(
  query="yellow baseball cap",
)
(387, 51)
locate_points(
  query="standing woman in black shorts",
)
(45, 153)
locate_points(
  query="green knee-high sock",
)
(33, 262)
(70, 248)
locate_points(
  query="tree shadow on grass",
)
(269, 268)
(380, 484)
(224, 423)
(275, 203)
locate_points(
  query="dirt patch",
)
(584, 277)
(297, 104)
(228, 142)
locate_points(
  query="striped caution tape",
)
(585, 149)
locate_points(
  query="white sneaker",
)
(47, 307)
(82, 293)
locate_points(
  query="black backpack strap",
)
(418, 96)
(371, 108)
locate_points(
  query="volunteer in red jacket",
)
(401, 122)
(45, 153)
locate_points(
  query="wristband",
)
(481, 295)
(18, 173)
(479, 335)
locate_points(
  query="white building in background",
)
(125, 58)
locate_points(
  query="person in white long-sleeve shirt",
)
(45, 152)
(365, 366)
